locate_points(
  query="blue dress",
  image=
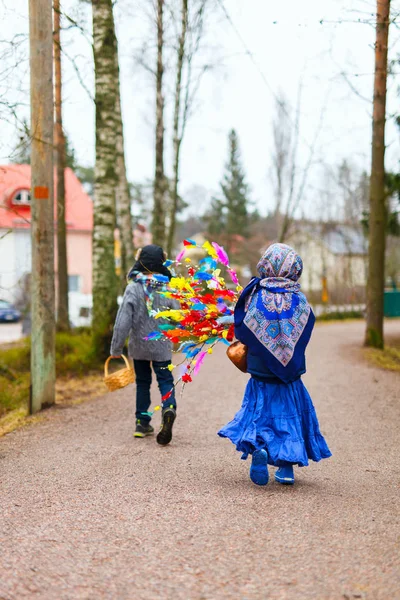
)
(280, 418)
(274, 320)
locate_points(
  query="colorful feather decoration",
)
(203, 296)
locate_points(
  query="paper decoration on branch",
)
(202, 298)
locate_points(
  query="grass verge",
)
(388, 358)
(78, 377)
(340, 316)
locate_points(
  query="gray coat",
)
(133, 320)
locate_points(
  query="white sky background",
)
(288, 44)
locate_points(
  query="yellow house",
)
(335, 262)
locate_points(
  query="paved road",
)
(10, 332)
(87, 512)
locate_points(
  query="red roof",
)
(13, 178)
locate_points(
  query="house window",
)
(74, 283)
(22, 198)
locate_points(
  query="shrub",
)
(74, 357)
(74, 353)
(341, 316)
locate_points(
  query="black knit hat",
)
(150, 259)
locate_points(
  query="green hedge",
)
(341, 316)
(74, 356)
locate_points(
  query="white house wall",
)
(22, 252)
(11, 269)
(16, 259)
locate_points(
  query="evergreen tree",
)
(229, 215)
(216, 219)
(235, 191)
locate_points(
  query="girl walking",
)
(277, 423)
(147, 277)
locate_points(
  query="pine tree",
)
(216, 219)
(235, 192)
(229, 215)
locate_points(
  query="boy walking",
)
(148, 276)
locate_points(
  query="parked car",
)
(8, 314)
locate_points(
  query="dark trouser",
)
(165, 382)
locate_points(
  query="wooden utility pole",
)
(377, 200)
(158, 227)
(42, 200)
(59, 138)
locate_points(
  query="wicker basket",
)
(119, 379)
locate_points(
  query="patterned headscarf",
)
(274, 310)
(280, 261)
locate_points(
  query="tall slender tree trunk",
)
(105, 282)
(177, 139)
(62, 262)
(377, 219)
(286, 222)
(124, 217)
(158, 227)
(42, 205)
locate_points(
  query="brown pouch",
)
(237, 353)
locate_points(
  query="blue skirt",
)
(280, 418)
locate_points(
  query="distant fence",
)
(341, 309)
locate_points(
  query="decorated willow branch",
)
(204, 299)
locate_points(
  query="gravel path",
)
(88, 512)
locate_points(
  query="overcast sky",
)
(288, 43)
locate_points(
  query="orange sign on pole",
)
(41, 192)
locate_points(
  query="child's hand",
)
(116, 356)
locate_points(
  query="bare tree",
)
(377, 218)
(160, 186)
(187, 83)
(42, 203)
(281, 159)
(124, 217)
(353, 188)
(180, 31)
(62, 259)
(177, 137)
(105, 283)
(290, 180)
(123, 196)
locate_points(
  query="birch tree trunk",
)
(177, 138)
(158, 227)
(105, 282)
(377, 219)
(42, 205)
(62, 262)
(124, 217)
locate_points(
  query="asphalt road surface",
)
(89, 512)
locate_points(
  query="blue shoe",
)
(285, 475)
(259, 467)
